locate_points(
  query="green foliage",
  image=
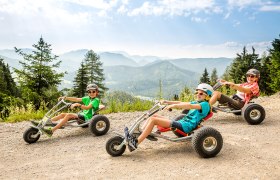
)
(186, 95)
(95, 71)
(119, 101)
(242, 63)
(81, 81)
(275, 65)
(214, 77)
(205, 77)
(38, 73)
(24, 113)
(7, 83)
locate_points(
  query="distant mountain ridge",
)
(137, 74)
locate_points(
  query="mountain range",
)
(136, 74)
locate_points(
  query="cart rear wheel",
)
(31, 135)
(253, 113)
(112, 144)
(207, 142)
(99, 125)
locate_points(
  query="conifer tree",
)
(242, 63)
(81, 81)
(95, 71)
(7, 83)
(265, 80)
(214, 77)
(205, 77)
(275, 65)
(38, 72)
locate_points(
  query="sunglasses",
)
(199, 93)
(91, 92)
(251, 76)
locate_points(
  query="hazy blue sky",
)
(167, 28)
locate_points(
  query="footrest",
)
(162, 129)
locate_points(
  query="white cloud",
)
(199, 20)
(244, 3)
(175, 8)
(50, 10)
(270, 8)
(98, 4)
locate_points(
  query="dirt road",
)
(249, 152)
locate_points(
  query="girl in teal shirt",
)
(197, 111)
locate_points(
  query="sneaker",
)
(214, 109)
(48, 131)
(132, 141)
(152, 138)
(35, 123)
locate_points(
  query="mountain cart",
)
(206, 141)
(98, 125)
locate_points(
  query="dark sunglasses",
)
(251, 76)
(199, 93)
(91, 92)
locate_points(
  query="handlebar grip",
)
(170, 110)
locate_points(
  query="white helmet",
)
(206, 88)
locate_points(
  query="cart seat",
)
(162, 129)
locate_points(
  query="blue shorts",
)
(176, 124)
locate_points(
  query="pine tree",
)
(275, 65)
(81, 81)
(95, 71)
(265, 80)
(242, 63)
(214, 77)
(38, 72)
(205, 77)
(7, 83)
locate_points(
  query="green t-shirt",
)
(88, 113)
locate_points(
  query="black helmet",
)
(254, 72)
(92, 87)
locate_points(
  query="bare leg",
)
(215, 97)
(151, 122)
(58, 117)
(67, 117)
(145, 123)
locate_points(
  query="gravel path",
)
(249, 152)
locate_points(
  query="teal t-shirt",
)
(88, 113)
(194, 116)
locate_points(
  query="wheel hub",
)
(209, 143)
(255, 114)
(100, 126)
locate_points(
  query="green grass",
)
(115, 102)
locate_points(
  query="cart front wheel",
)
(99, 125)
(31, 135)
(207, 142)
(113, 144)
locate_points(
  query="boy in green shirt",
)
(89, 104)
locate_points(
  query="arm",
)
(184, 105)
(238, 87)
(84, 107)
(169, 102)
(72, 99)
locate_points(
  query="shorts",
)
(176, 124)
(235, 102)
(81, 119)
